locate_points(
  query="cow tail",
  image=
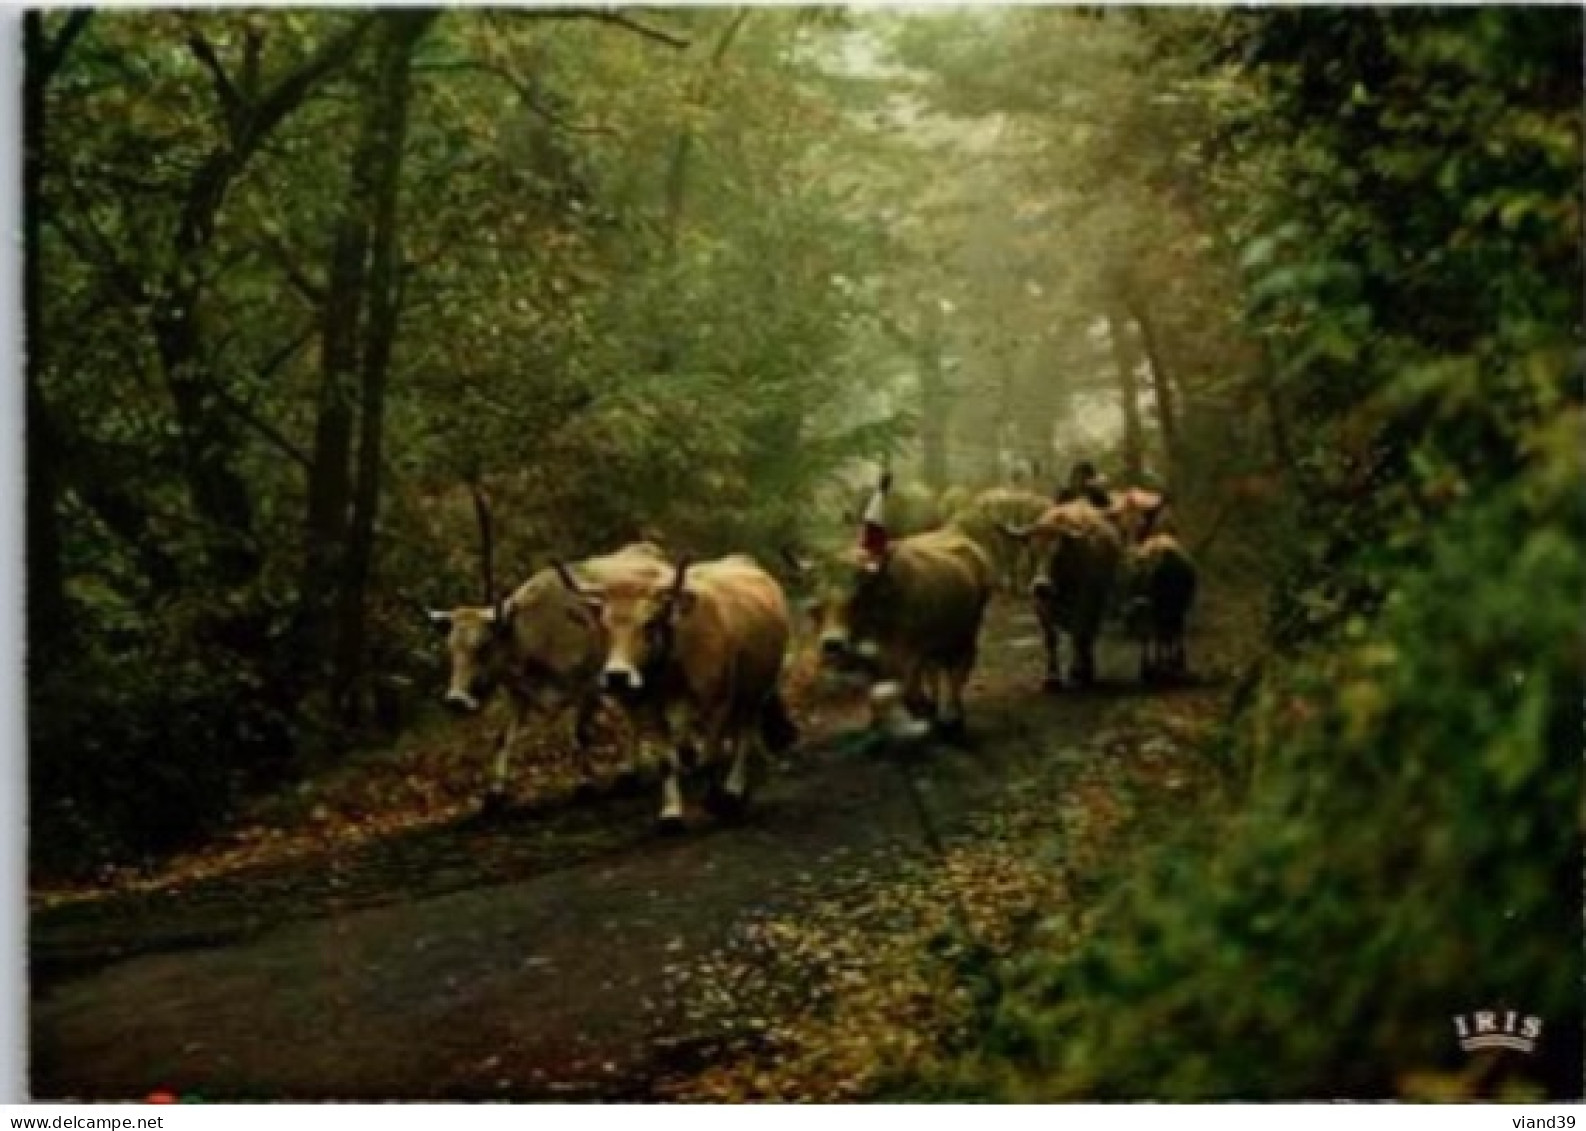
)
(777, 727)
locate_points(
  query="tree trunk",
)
(677, 168)
(934, 400)
(1161, 387)
(669, 344)
(330, 467)
(1128, 394)
(218, 492)
(46, 583)
(391, 93)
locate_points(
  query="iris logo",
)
(1490, 1029)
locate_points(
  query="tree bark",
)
(1161, 386)
(391, 95)
(1128, 394)
(47, 623)
(934, 400)
(218, 492)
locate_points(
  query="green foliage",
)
(1403, 188)
(1409, 848)
(615, 264)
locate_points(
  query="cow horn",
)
(795, 563)
(568, 579)
(487, 548)
(1017, 533)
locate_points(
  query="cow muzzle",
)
(461, 702)
(621, 680)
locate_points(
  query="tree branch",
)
(125, 281)
(54, 53)
(523, 90)
(607, 16)
(283, 97)
(281, 256)
(262, 426)
(231, 103)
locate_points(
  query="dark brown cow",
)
(1078, 552)
(1161, 583)
(917, 611)
(699, 653)
(542, 645)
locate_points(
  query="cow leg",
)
(743, 743)
(953, 678)
(1084, 672)
(496, 792)
(915, 699)
(580, 715)
(584, 715)
(671, 819)
(1053, 679)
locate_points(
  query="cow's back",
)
(1170, 576)
(940, 583)
(737, 633)
(642, 562)
(1084, 552)
(983, 517)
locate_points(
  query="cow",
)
(1078, 553)
(542, 645)
(917, 610)
(698, 654)
(1160, 580)
(982, 519)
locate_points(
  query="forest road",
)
(525, 959)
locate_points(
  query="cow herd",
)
(694, 651)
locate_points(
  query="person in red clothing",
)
(873, 523)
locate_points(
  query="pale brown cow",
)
(699, 654)
(984, 516)
(542, 645)
(916, 611)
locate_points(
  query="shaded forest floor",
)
(376, 942)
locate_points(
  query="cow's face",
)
(475, 641)
(639, 622)
(850, 609)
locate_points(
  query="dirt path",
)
(546, 956)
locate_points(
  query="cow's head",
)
(1051, 538)
(476, 640)
(639, 621)
(850, 607)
